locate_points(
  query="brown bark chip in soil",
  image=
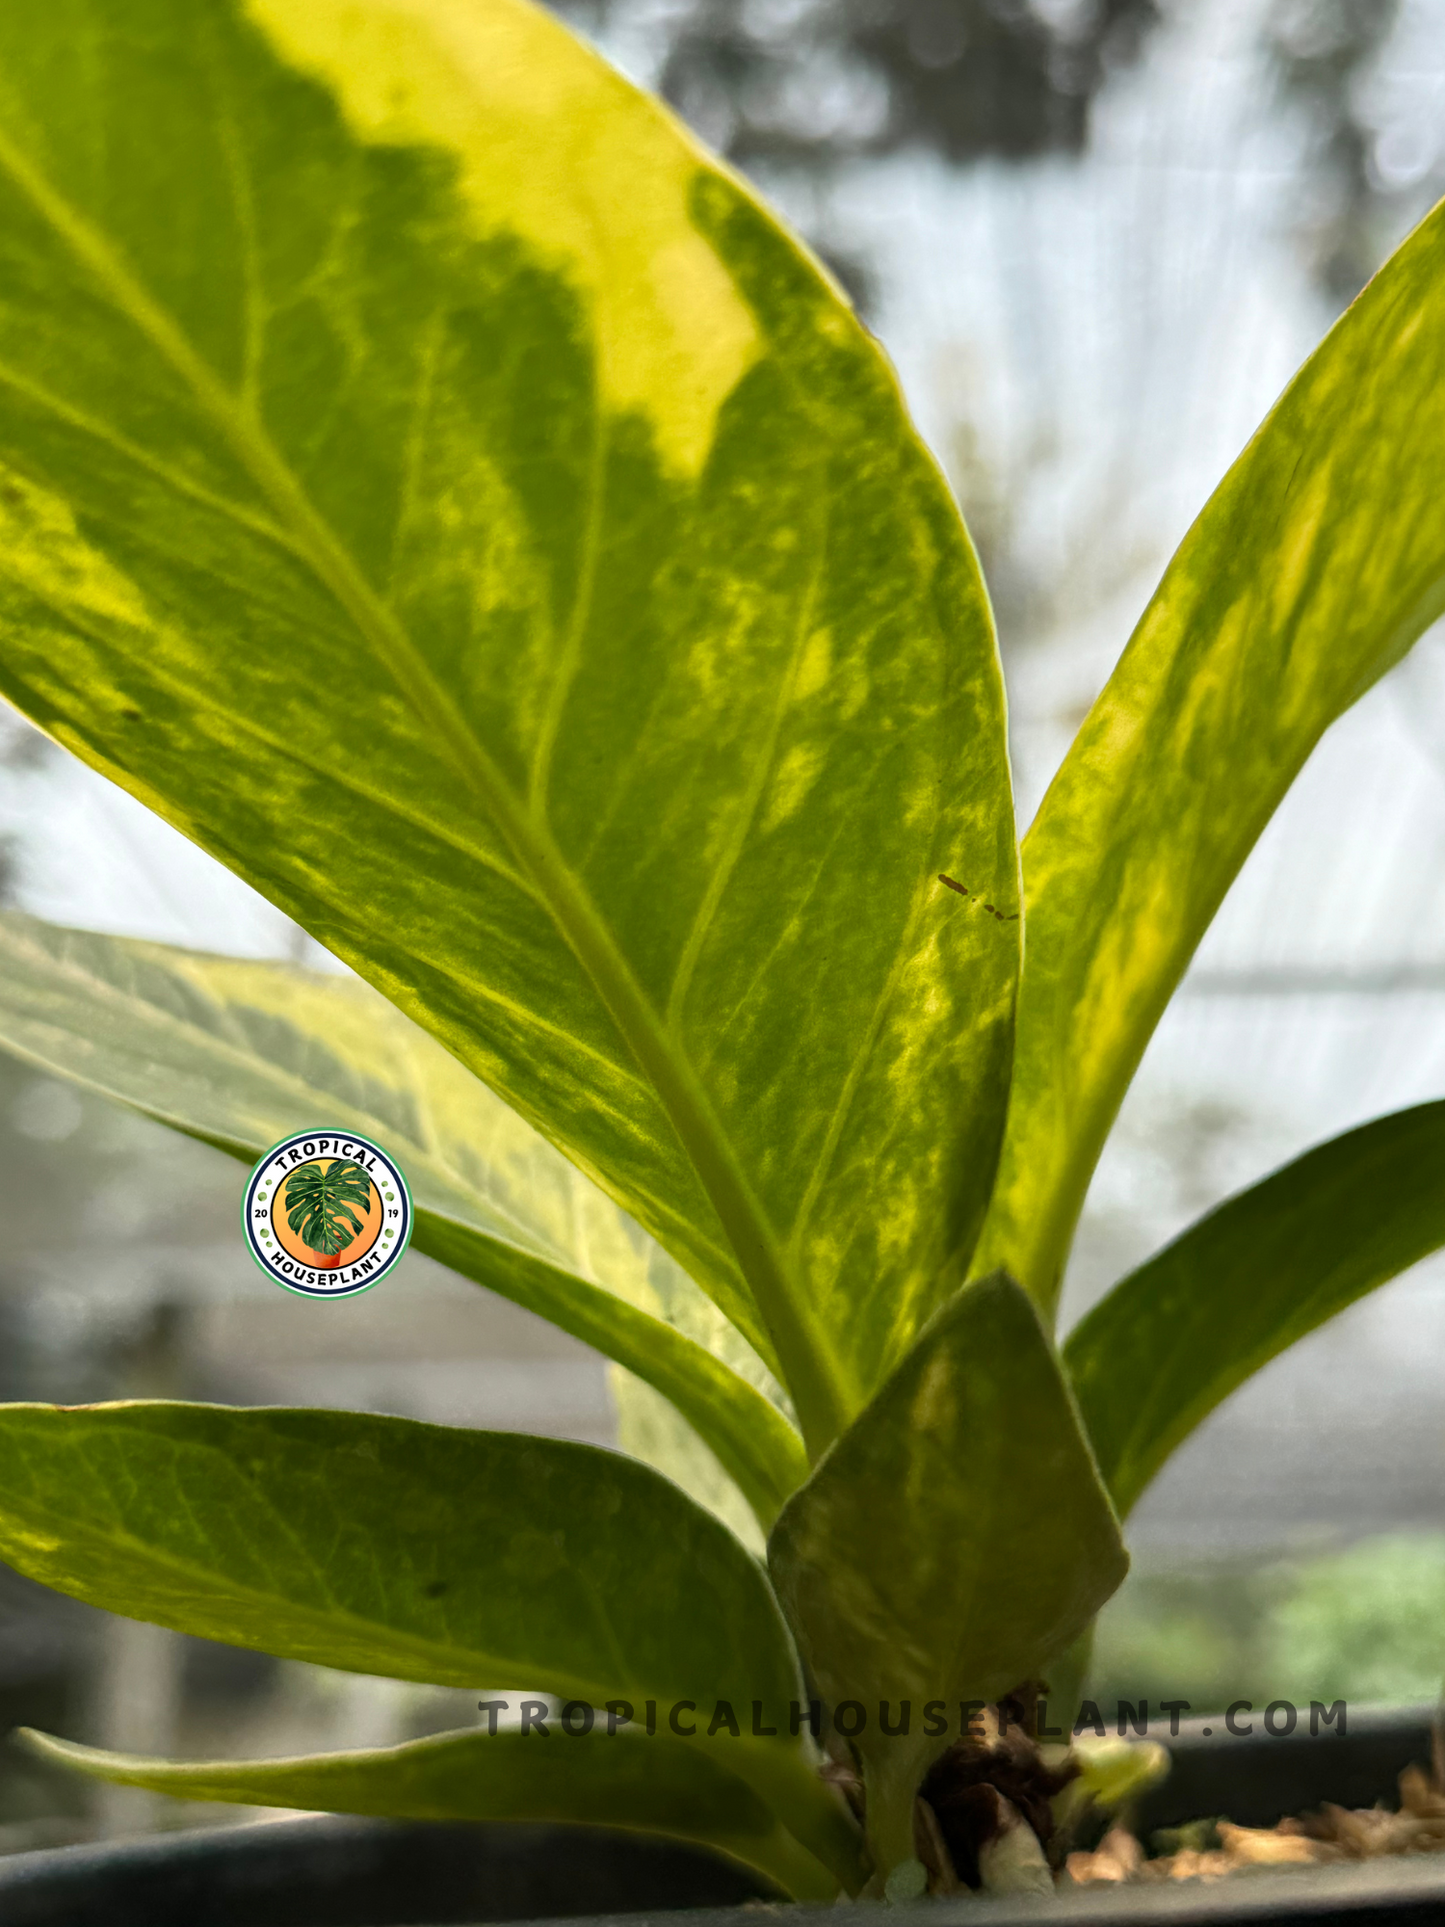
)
(1334, 1833)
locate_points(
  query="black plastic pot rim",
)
(335, 1872)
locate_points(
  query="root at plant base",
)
(985, 1816)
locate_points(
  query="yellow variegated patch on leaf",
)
(1316, 563)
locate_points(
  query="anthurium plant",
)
(440, 489)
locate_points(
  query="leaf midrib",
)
(810, 1371)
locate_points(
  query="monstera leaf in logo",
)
(318, 1205)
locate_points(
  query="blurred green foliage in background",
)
(1359, 1624)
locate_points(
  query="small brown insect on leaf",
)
(997, 915)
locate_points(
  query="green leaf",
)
(381, 1545)
(387, 1546)
(952, 1542)
(1316, 563)
(240, 1054)
(408, 350)
(656, 1784)
(1176, 1337)
(317, 1201)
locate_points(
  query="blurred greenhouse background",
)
(1096, 236)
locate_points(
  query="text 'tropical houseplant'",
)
(438, 488)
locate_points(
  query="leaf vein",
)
(751, 799)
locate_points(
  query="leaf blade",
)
(1245, 1282)
(914, 1565)
(649, 1785)
(317, 1201)
(1312, 569)
(264, 1528)
(239, 1054)
(574, 536)
(419, 1552)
